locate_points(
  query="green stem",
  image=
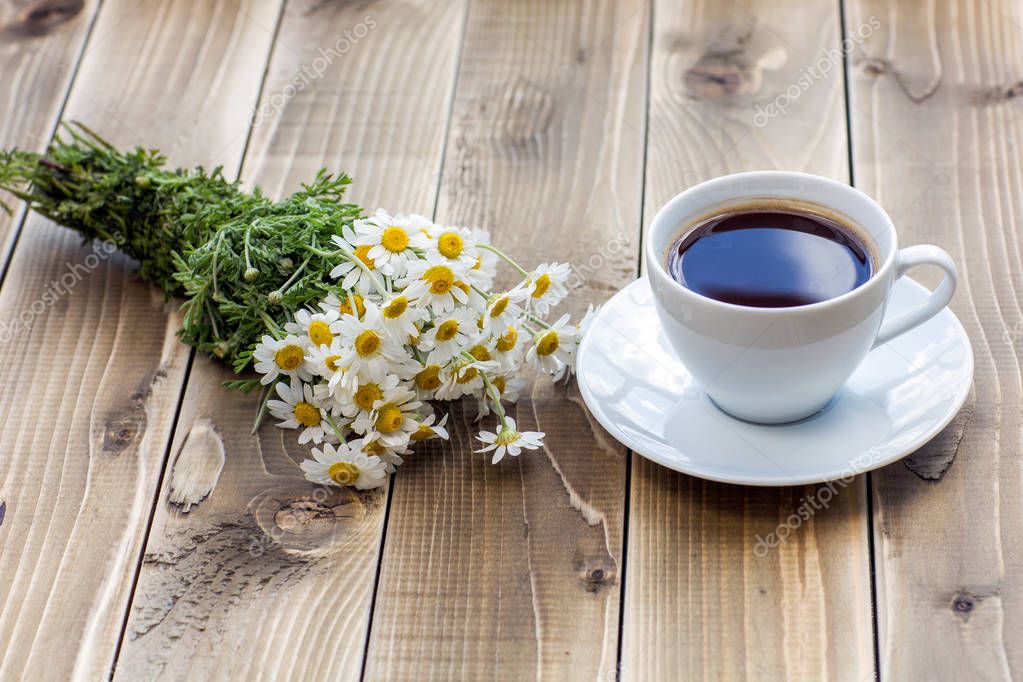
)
(503, 256)
(495, 397)
(263, 408)
(271, 325)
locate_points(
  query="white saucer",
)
(903, 394)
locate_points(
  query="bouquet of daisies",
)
(415, 319)
(357, 325)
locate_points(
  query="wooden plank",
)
(704, 599)
(268, 576)
(38, 54)
(513, 571)
(91, 385)
(936, 125)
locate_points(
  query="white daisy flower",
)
(509, 440)
(552, 348)
(352, 275)
(298, 408)
(462, 377)
(401, 317)
(454, 243)
(325, 362)
(504, 310)
(427, 379)
(506, 348)
(392, 420)
(392, 240)
(546, 286)
(449, 335)
(360, 397)
(319, 328)
(343, 465)
(391, 457)
(432, 282)
(276, 357)
(431, 428)
(369, 347)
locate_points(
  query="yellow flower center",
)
(467, 375)
(428, 378)
(480, 353)
(373, 448)
(447, 330)
(507, 437)
(499, 383)
(389, 418)
(307, 415)
(450, 244)
(396, 308)
(331, 362)
(441, 279)
(506, 341)
(394, 239)
(362, 253)
(543, 283)
(479, 263)
(289, 357)
(367, 343)
(500, 305)
(367, 395)
(422, 433)
(548, 343)
(343, 473)
(346, 306)
(319, 333)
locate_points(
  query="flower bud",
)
(286, 264)
(251, 275)
(275, 297)
(221, 349)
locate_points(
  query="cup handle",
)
(910, 257)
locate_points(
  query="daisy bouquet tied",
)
(356, 326)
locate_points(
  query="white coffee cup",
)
(776, 365)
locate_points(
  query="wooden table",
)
(145, 533)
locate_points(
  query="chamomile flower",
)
(552, 348)
(462, 377)
(392, 420)
(506, 348)
(325, 362)
(401, 317)
(432, 280)
(454, 243)
(430, 428)
(427, 380)
(357, 276)
(508, 439)
(343, 465)
(298, 408)
(547, 286)
(504, 309)
(448, 336)
(369, 347)
(392, 240)
(360, 397)
(319, 328)
(276, 357)
(391, 457)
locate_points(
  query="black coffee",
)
(770, 258)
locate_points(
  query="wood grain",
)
(705, 598)
(936, 122)
(39, 49)
(94, 371)
(250, 571)
(514, 571)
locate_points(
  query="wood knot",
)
(123, 431)
(520, 114)
(596, 578)
(874, 66)
(717, 75)
(308, 521)
(963, 604)
(43, 16)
